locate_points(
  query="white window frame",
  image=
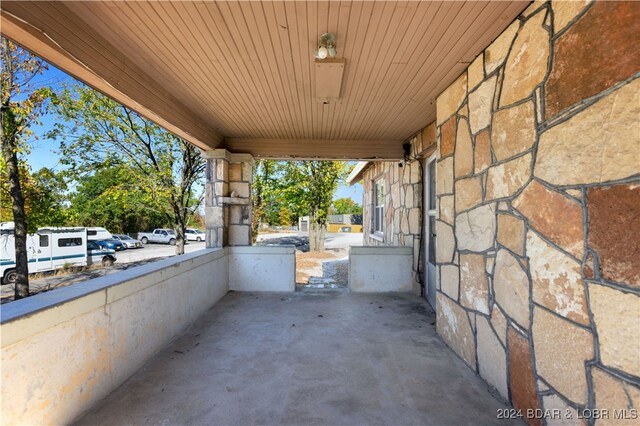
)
(377, 208)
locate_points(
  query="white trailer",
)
(50, 249)
(97, 233)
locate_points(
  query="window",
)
(69, 242)
(431, 212)
(378, 206)
(44, 240)
(92, 232)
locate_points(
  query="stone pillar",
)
(216, 187)
(228, 198)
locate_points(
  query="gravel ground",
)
(330, 267)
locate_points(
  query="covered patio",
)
(305, 358)
(515, 213)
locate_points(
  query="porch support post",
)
(228, 198)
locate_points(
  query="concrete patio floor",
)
(305, 358)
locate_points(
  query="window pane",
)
(377, 195)
(44, 241)
(432, 185)
(373, 219)
(69, 242)
(432, 240)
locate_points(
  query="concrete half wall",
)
(380, 269)
(64, 350)
(254, 268)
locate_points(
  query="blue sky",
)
(44, 152)
(354, 192)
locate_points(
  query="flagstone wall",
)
(538, 231)
(402, 200)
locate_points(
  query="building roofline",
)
(356, 174)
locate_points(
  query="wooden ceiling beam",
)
(73, 46)
(317, 149)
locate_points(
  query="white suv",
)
(194, 235)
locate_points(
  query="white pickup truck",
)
(161, 236)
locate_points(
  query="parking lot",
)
(335, 244)
(151, 251)
(125, 259)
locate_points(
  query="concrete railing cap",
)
(380, 250)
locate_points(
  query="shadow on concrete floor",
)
(300, 242)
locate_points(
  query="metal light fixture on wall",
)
(406, 157)
(326, 46)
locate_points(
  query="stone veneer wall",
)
(538, 183)
(227, 198)
(403, 199)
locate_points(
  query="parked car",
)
(96, 253)
(162, 236)
(194, 235)
(128, 242)
(112, 244)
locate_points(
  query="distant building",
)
(336, 223)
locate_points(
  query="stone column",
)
(239, 202)
(216, 187)
(228, 198)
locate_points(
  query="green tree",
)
(265, 194)
(284, 216)
(96, 128)
(21, 105)
(310, 185)
(45, 198)
(345, 206)
(111, 197)
(302, 188)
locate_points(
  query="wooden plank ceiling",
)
(241, 75)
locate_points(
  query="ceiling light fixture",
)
(328, 69)
(326, 46)
(322, 53)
